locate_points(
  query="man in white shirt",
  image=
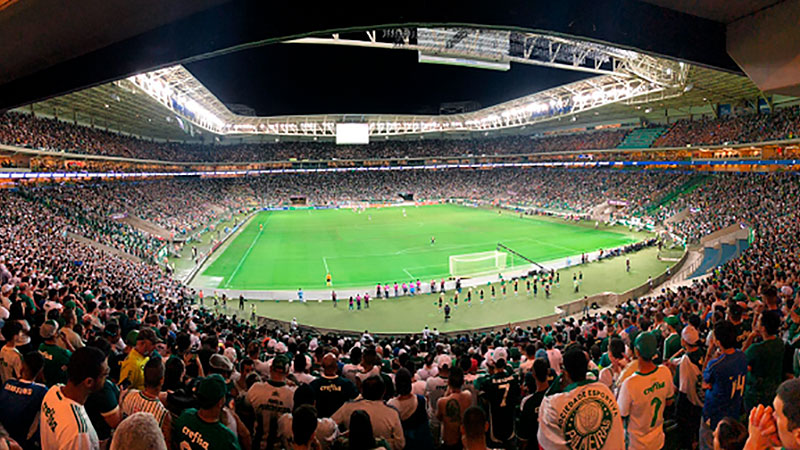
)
(583, 415)
(644, 395)
(64, 423)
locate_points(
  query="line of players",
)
(530, 283)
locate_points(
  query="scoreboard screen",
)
(352, 133)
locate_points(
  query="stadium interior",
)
(244, 225)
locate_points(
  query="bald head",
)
(330, 364)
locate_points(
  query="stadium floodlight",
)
(625, 76)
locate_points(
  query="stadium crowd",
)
(102, 352)
(42, 133)
(782, 124)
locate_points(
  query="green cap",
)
(739, 297)
(674, 322)
(647, 345)
(132, 337)
(210, 390)
(548, 339)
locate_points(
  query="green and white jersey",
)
(190, 432)
(642, 399)
(270, 400)
(584, 415)
(64, 424)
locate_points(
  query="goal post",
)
(474, 263)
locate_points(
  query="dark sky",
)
(284, 79)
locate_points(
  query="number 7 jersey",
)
(642, 399)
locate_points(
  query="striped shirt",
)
(64, 423)
(135, 401)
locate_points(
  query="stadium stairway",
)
(716, 256)
(684, 189)
(641, 137)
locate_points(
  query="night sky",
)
(283, 79)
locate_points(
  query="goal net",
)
(473, 263)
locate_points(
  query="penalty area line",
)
(408, 273)
(241, 261)
(325, 261)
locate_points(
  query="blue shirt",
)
(726, 375)
(22, 402)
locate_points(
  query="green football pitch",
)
(296, 249)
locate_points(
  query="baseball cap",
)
(279, 363)
(498, 354)
(548, 339)
(130, 339)
(48, 329)
(149, 335)
(210, 390)
(673, 321)
(647, 345)
(444, 361)
(690, 335)
(220, 362)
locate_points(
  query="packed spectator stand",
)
(134, 353)
(25, 130)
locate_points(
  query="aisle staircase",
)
(684, 189)
(716, 256)
(641, 137)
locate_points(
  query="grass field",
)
(411, 314)
(297, 248)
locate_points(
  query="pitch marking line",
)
(408, 273)
(246, 254)
(325, 261)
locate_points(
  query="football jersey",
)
(726, 375)
(501, 391)
(270, 400)
(55, 364)
(435, 388)
(22, 401)
(64, 423)
(10, 364)
(135, 401)
(331, 393)
(190, 432)
(642, 399)
(584, 415)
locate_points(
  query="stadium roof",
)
(123, 107)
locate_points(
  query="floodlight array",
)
(625, 77)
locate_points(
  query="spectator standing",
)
(724, 381)
(22, 402)
(201, 429)
(64, 423)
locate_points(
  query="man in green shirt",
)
(764, 361)
(201, 429)
(672, 344)
(56, 358)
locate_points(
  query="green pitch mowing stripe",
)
(411, 314)
(298, 248)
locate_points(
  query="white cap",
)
(499, 353)
(444, 361)
(690, 335)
